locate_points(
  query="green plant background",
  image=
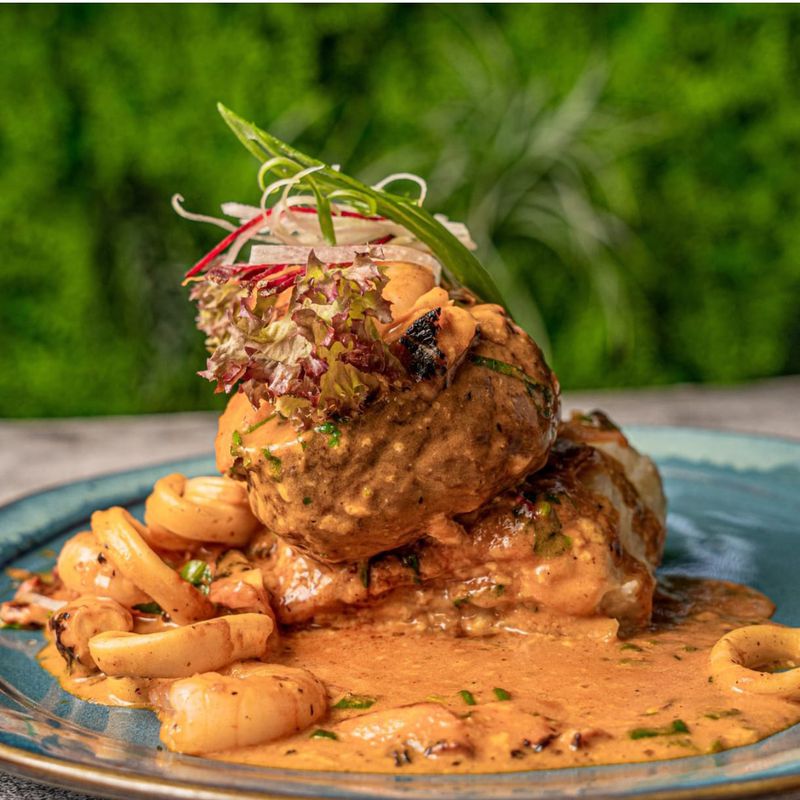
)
(630, 172)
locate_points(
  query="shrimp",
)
(120, 535)
(428, 728)
(180, 512)
(84, 568)
(253, 704)
(406, 284)
(79, 620)
(180, 652)
(456, 327)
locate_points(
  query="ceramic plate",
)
(734, 511)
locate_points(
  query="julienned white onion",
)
(303, 228)
(342, 254)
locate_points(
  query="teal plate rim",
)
(38, 744)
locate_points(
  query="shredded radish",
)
(343, 254)
(225, 244)
(405, 176)
(289, 230)
(177, 200)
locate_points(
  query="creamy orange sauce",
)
(570, 700)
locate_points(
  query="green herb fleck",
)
(632, 646)
(460, 601)
(332, 431)
(365, 573)
(306, 501)
(717, 746)
(256, 425)
(690, 648)
(512, 371)
(149, 608)
(323, 734)
(501, 694)
(273, 464)
(728, 712)
(411, 561)
(355, 701)
(468, 697)
(551, 544)
(236, 443)
(499, 589)
(677, 726)
(542, 508)
(197, 572)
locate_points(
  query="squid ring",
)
(738, 660)
(120, 534)
(209, 509)
(180, 652)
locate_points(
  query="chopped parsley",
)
(729, 712)
(198, 573)
(307, 501)
(274, 464)
(501, 694)
(550, 544)
(411, 561)
(677, 726)
(355, 701)
(365, 573)
(468, 697)
(531, 386)
(332, 431)
(256, 425)
(149, 608)
(323, 734)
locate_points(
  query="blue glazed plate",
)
(734, 513)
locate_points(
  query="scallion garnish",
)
(332, 431)
(197, 572)
(325, 180)
(468, 697)
(677, 726)
(501, 694)
(149, 608)
(355, 701)
(323, 734)
(274, 464)
(236, 443)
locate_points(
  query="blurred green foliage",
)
(630, 171)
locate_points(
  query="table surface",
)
(35, 454)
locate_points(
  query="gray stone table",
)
(35, 454)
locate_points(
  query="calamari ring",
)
(121, 537)
(735, 660)
(181, 652)
(208, 509)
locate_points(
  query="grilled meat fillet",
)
(413, 459)
(577, 539)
